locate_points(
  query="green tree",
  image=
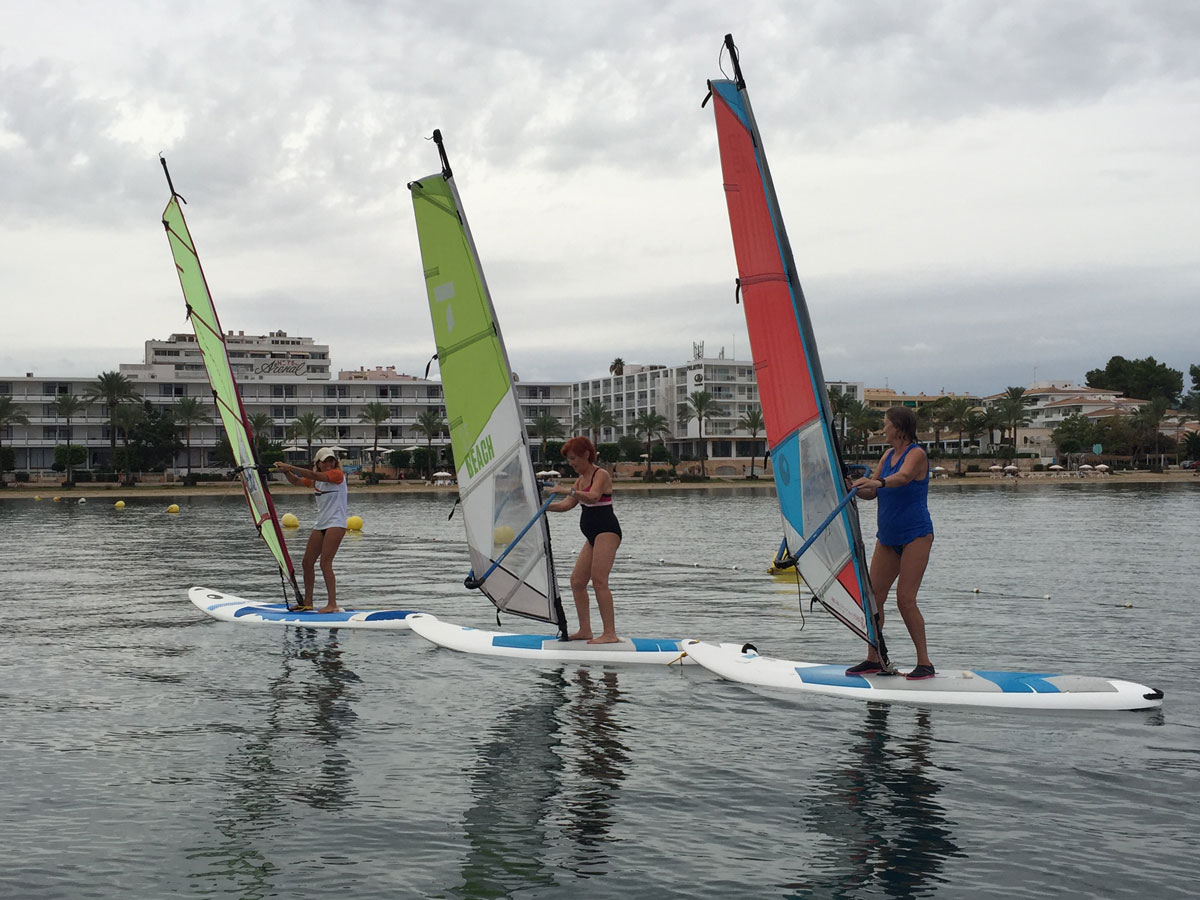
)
(1144, 379)
(10, 414)
(1014, 411)
(67, 406)
(261, 426)
(993, 421)
(932, 417)
(840, 404)
(375, 414)
(430, 423)
(863, 421)
(957, 413)
(67, 456)
(593, 417)
(617, 367)
(1147, 426)
(155, 438)
(189, 412)
(114, 389)
(545, 426)
(125, 417)
(1115, 435)
(702, 407)
(1191, 444)
(307, 427)
(652, 424)
(1074, 435)
(752, 421)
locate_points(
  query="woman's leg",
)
(579, 582)
(885, 566)
(603, 555)
(912, 570)
(329, 547)
(311, 551)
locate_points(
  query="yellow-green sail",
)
(211, 341)
(509, 541)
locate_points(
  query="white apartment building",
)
(279, 375)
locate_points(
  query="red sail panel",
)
(784, 381)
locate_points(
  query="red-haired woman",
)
(593, 491)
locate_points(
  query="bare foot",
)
(328, 609)
(605, 639)
(580, 636)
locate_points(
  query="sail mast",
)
(810, 474)
(226, 395)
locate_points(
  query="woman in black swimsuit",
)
(593, 491)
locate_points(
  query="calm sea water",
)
(149, 751)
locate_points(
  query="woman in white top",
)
(328, 481)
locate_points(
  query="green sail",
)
(509, 542)
(211, 341)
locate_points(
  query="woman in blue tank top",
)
(901, 484)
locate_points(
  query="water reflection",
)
(308, 713)
(888, 834)
(544, 786)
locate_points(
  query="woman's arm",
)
(914, 468)
(868, 488)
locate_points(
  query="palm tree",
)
(112, 388)
(10, 414)
(126, 417)
(190, 411)
(932, 416)
(651, 424)
(703, 408)
(593, 417)
(1014, 411)
(957, 412)
(840, 406)
(545, 426)
(1147, 423)
(430, 423)
(753, 422)
(307, 427)
(863, 421)
(68, 406)
(375, 414)
(993, 422)
(617, 367)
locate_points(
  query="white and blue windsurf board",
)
(652, 651)
(950, 687)
(229, 608)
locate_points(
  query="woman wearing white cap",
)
(328, 481)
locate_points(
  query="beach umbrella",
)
(938, 469)
(1056, 467)
(549, 473)
(442, 475)
(1085, 468)
(996, 468)
(293, 449)
(1011, 469)
(1102, 467)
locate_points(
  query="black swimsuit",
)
(599, 518)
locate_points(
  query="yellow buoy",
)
(37, 496)
(503, 535)
(173, 508)
(354, 523)
(289, 521)
(56, 499)
(120, 504)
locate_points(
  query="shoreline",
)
(50, 490)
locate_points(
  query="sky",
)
(978, 194)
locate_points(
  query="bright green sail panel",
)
(211, 340)
(509, 541)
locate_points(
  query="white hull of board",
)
(952, 687)
(651, 651)
(229, 608)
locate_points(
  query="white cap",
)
(324, 453)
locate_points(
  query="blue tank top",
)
(903, 514)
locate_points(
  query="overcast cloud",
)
(976, 192)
